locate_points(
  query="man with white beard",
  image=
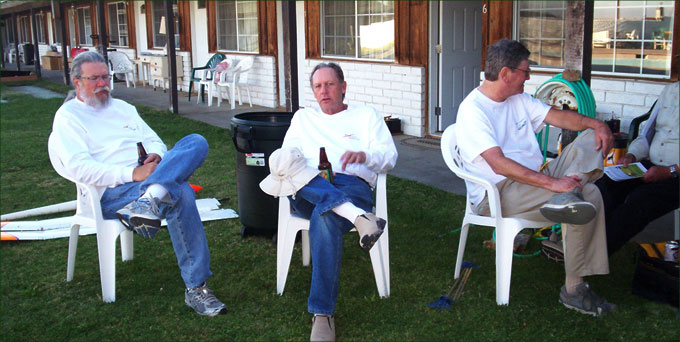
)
(96, 138)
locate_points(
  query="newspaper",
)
(620, 172)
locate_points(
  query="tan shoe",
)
(323, 328)
(370, 227)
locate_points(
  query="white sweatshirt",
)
(357, 129)
(99, 146)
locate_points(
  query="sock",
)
(348, 211)
(572, 282)
(156, 191)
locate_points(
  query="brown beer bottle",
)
(142, 154)
(325, 166)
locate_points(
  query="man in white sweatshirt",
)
(359, 146)
(96, 138)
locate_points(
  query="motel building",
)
(411, 60)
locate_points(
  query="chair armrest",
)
(381, 196)
(634, 128)
(193, 70)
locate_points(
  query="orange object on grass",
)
(196, 188)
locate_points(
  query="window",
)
(24, 30)
(84, 26)
(629, 37)
(118, 27)
(158, 16)
(237, 26)
(358, 29)
(633, 37)
(541, 29)
(8, 31)
(40, 27)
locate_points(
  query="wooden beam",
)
(64, 54)
(290, 55)
(101, 27)
(16, 40)
(36, 53)
(172, 60)
(578, 42)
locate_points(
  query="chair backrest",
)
(242, 69)
(214, 60)
(120, 62)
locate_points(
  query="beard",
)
(97, 102)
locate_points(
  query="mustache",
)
(101, 89)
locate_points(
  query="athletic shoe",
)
(569, 207)
(370, 227)
(323, 328)
(203, 301)
(553, 250)
(585, 301)
(141, 216)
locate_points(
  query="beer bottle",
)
(142, 154)
(325, 166)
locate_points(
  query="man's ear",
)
(504, 73)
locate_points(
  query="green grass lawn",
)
(39, 305)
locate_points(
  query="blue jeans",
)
(184, 223)
(314, 202)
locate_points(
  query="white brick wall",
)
(393, 90)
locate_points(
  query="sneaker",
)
(323, 328)
(569, 207)
(203, 301)
(585, 301)
(370, 227)
(553, 250)
(141, 216)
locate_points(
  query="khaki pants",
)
(585, 246)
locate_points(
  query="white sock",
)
(156, 191)
(349, 211)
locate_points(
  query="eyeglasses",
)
(104, 78)
(526, 72)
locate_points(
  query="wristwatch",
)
(674, 171)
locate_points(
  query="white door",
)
(460, 32)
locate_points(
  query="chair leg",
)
(250, 101)
(210, 94)
(284, 252)
(232, 97)
(126, 245)
(106, 244)
(72, 248)
(191, 86)
(461, 248)
(304, 243)
(218, 90)
(505, 238)
(380, 259)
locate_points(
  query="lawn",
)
(39, 305)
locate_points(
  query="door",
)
(72, 28)
(460, 32)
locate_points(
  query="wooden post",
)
(16, 41)
(172, 60)
(36, 53)
(290, 55)
(578, 48)
(61, 22)
(101, 27)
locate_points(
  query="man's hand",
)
(152, 158)
(629, 158)
(351, 157)
(656, 174)
(604, 139)
(143, 172)
(566, 184)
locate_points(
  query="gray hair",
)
(82, 58)
(336, 68)
(504, 53)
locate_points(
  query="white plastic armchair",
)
(506, 227)
(89, 214)
(290, 223)
(234, 82)
(121, 64)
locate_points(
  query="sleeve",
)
(639, 148)
(537, 111)
(293, 136)
(381, 154)
(69, 139)
(474, 133)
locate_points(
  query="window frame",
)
(25, 34)
(110, 22)
(357, 51)
(183, 11)
(41, 28)
(672, 75)
(238, 36)
(78, 17)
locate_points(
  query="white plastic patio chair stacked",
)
(506, 227)
(89, 214)
(235, 81)
(121, 64)
(290, 224)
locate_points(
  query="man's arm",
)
(507, 167)
(604, 140)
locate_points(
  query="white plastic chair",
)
(290, 224)
(235, 82)
(89, 214)
(506, 227)
(121, 64)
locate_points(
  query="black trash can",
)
(256, 135)
(29, 56)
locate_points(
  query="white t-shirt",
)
(512, 125)
(99, 146)
(358, 129)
